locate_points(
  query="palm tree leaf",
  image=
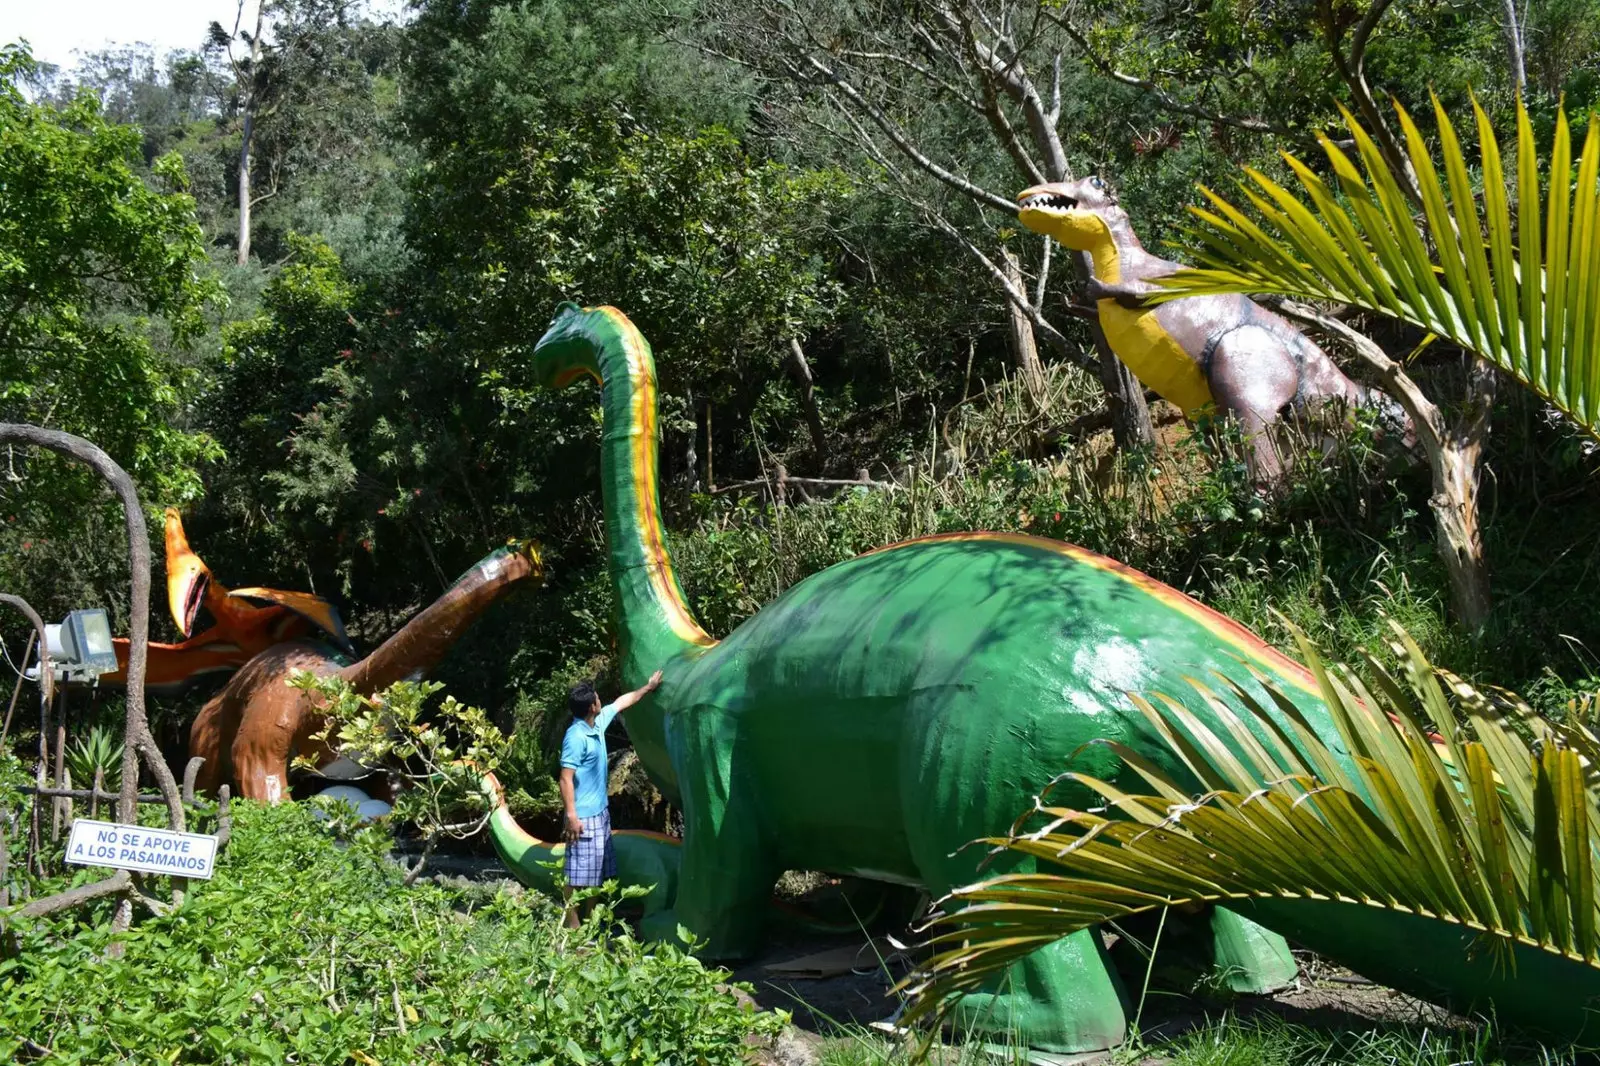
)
(1497, 225)
(1555, 263)
(1464, 212)
(1459, 317)
(1516, 284)
(1497, 857)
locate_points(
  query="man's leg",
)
(586, 862)
(572, 912)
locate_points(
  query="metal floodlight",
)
(80, 647)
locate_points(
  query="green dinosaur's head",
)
(1075, 214)
(568, 349)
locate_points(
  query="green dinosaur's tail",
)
(643, 858)
(601, 343)
(651, 859)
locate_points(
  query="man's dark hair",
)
(580, 701)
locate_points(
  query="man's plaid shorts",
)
(591, 860)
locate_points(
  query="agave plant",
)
(1462, 845)
(1513, 279)
(100, 750)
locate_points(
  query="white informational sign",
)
(133, 847)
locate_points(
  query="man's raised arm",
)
(628, 699)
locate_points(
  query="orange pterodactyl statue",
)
(241, 630)
(250, 731)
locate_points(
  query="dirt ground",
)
(1324, 996)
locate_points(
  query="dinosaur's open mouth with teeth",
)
(1054, 200)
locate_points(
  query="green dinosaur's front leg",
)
(728, 870)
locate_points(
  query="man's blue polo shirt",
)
(583, 751)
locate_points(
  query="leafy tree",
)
(100, 294)
(441, 755)
(306, 95)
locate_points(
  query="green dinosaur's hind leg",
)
(1063, 998)
(1248, 958)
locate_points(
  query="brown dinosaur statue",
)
(249, 732)
(1226, 354)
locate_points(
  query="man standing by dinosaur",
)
(584, 772)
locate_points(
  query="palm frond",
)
(1513, 279)
(1456, 861)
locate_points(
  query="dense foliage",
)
(100, 295)
(306, 949)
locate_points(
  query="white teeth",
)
(1045, 199)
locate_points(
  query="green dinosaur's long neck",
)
(653, 621)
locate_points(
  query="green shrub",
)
(98, 750)
(303, 949)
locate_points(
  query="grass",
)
(1258, 1041)
(1269, 1041)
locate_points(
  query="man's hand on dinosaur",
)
(630, 699)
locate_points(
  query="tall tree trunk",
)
(1514, 54)
(691, 452)
(1024, 347)
(248, 84)
(244, 187)
(1455, 512)
(711, 478)
(1130, 415)
(801, 369)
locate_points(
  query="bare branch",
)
(951, 89)
(1019, 298)
(1162, 97)
(74, 897)
(1350, 71)
(137, 738)
(810, 482)
(1014, 80)
(900, 140)
(1044, 275)
(1358, 41)
(1514, 52)
(1054, 113)
(1008, 136)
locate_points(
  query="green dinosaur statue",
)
(1226, 353)
(882, 714)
